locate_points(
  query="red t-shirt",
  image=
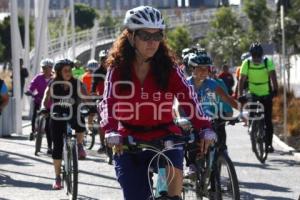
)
(148, 105)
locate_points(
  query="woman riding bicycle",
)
(36, 89)
(141, 84)
(64, 93)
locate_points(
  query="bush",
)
(293, 113)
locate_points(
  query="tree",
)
(5, 39)
(292, 34)
(84, 16)
(107, 21)
(225, 39)
(178, 39)
(292, 27)
(259, 16)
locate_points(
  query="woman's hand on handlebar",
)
(114, 141)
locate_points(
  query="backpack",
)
(265, 67)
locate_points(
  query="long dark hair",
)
(122, 55)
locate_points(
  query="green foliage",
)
(178, 39)
(225, 40)
(259, 16)
(292, 29)
(84, 16)
(107, 20)
(5, 39)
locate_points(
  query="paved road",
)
(25, 176)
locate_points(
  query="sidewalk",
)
(25, 176)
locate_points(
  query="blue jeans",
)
(132, 172)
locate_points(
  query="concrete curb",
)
(286, 147)
(26, 125)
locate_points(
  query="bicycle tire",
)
(233, 188)
(258, 142)
(39, 135)
(89, 139)
(73, 172)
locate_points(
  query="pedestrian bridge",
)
(86, 44)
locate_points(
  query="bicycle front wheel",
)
(258, 140)
(229, 186)
(72, 172)
(39, 134)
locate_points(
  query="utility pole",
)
(94, 39)
(283, 68)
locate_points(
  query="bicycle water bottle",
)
(161, 186)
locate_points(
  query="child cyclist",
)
(213, 97)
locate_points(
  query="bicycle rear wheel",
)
(229, 186)
(71, 174)
(258, 140)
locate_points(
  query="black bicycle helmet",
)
(199, 59)
(60, 63)
(256, 49)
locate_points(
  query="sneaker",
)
(57, 184)
(49, 151)
(31, 136)
(270, 149)
(81, 152)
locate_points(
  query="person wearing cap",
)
(36, 89)
(78, 70)
(65, 92)
(261, 75)
(140, 67)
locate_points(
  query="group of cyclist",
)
(143, 78)
(62, 92)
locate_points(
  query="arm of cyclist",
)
(241, 83)
(46, 98)
(226, 98)
(108, 122)
(193, 109)
(32, 87)
(274, 82)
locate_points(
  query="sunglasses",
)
(146, 36)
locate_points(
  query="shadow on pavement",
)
(263, 186)
(257, 165)
(249, 196)
(6, 159)
(7, 181)
(286, 162)
(26, 157)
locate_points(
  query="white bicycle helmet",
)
(47, 62)
(92, 65)
(144, 17)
